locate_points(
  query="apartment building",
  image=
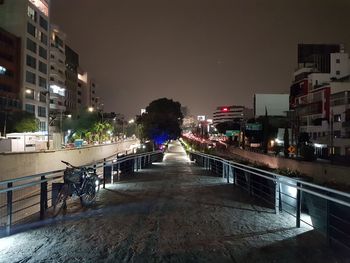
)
(29, 21)
(319, 96)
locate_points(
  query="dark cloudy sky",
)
(202, 53)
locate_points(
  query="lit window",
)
(29, 94)
(31, 13)
(337, 118)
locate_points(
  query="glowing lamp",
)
(225, 109)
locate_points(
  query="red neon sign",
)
(224, 109)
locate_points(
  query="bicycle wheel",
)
(88, 197)
(60, 203)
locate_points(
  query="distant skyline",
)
(202, 53)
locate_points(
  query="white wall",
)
(320, 172)
(318, 78)
(343, 67)
(15, 165)
(276, 104)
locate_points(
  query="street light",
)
(90, 109)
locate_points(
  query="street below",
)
(174, 211)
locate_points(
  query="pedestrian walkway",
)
(173, 212)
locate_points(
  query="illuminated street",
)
(174, 212)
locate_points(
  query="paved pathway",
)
(173, 212)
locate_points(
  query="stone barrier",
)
(13, 165)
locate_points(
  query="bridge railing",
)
(324, 209)
(28, 198)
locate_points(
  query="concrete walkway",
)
(173, 212)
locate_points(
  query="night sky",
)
(203, 53)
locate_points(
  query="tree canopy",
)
(20, 121)
(162, 120)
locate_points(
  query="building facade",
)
(10, 71)
(231, 113)
(319, 97)
(72, 64)
(57, 81)
(29, 20)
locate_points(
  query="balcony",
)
(57, 91)
(57, 107)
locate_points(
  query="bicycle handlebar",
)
(89, 169)
(68, 164)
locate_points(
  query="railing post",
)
(104, 173)
(277, 197)
(112, 173)
(249, 183)
(223, 170)
(118, 172)
(233, 175)
(43, 197)
(94, 166)
(298, 208)
(227, 173)
(328, 236)
(9, 210)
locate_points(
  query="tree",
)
(21, 121)
(162, 121)
(80, 125)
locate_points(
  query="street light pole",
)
(47, 94)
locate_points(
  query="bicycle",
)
(78, 181)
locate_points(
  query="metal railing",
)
(324, 209)
(28, 198)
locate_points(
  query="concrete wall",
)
(13, 165)
(321, 172)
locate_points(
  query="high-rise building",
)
(86, 92)
(57, 81)
(29, 20)
(93, 100)
(82, 90)
(72, 64)
(10, 70)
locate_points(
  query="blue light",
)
(2, 70)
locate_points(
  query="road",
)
(172, 212)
